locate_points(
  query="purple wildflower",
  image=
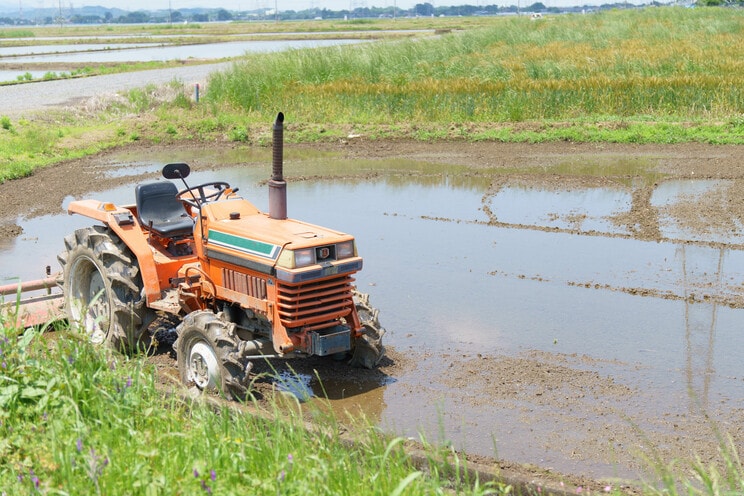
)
(212, 474)
(196, 474)
(34, 479)
(282, 476)
(5, 365)
(129, 382)
(206, 487)
(79, 445)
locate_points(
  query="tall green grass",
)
(75, 419)
(665, 63)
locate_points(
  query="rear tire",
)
(209, 356)
(104, 295)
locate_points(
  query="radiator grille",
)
(316, 304)
(243, 283)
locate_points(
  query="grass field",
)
(675, 74)
(657, 75)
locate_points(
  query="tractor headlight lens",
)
(304, 257)
(345, 250)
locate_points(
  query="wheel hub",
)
(89, 300)
(203, 366)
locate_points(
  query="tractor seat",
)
(157, 204)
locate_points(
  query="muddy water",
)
(530, 325)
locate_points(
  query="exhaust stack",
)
(277, 184)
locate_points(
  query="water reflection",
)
(210, 51)
(8, 52)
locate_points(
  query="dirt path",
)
(30, 97)
(577, 397)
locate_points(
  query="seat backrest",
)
(159, 209)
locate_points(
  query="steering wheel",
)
(197, 195)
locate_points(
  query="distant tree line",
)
(100, 15)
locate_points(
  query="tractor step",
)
(169, 303)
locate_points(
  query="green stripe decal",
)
(245, 245)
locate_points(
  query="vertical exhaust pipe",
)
(277, 184)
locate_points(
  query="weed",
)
(79, 417)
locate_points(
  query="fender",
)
(124, 223)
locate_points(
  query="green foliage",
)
(239, 134)
(141, 98)
(17, 33)
(81, 418)
(182, 101)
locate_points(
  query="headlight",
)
(304, 257)
(345, 250)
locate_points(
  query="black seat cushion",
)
(157, 204)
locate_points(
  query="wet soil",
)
(537, 165)
(568, 387)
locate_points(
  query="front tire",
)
(209, 356)
(103, 288)
(368, 349)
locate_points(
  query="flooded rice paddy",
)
(56, 54)
(63, 56)
(526, 319)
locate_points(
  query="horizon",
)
(281, 5)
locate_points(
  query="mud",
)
(580, 418)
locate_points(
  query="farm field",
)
(528, 368)
(590, 166)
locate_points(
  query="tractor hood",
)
(237, 232)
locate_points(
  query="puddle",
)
(660, 319)
(298, 385)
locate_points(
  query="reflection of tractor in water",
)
(246, 285)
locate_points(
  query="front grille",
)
(243, 283)
(316, 304)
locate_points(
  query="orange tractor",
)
(244, 284)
